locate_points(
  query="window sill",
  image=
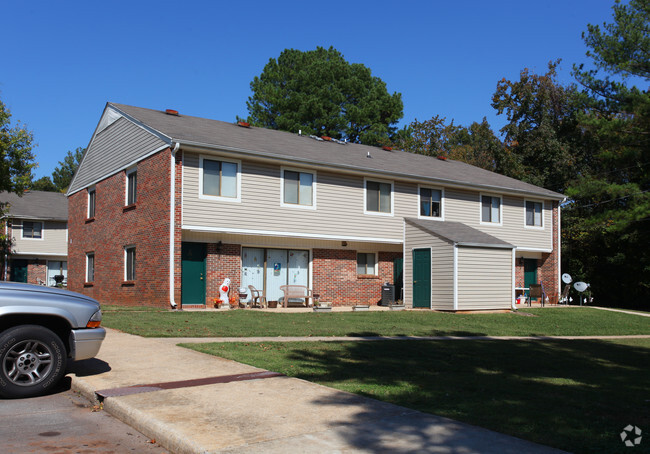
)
(129, 208)
(89, 284)
(89, 220)
(367, 276)
(128, 283)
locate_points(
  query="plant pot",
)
(272, 304)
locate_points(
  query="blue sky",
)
(62, 61)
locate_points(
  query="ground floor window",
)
(268, 269)
(366, 263)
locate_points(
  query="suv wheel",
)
(32, 361)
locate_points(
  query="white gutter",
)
(513, 282)
(172, 225)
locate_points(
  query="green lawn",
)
(242, 323)
(573, 395)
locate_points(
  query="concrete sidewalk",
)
(191, 402)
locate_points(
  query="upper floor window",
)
(129, 263)
(90, 267)
(91, 202)
(430, 202)
(491, 209)
(379, 197)
(366, 263)
(32, 229)
(131, 186)
(533, 213)
(219, 179)
(298, 188)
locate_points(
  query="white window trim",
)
(22, 230)
(534, 227)
(365, 196)
(480, 209)
(376, 254)
(442, 203)
(126, 278)
(313, 189)
(88, 254)
(129, 171)
(215, 197)
(94, 190)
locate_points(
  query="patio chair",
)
(536, 292)
(257, 297)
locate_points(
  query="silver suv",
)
(41, 328)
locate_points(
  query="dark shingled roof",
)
(459, 233)
(37, 205)
(303, 149)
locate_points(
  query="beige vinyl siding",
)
(339, 209)
(286, 242)
(484, 278)
(465, 207)
(339, 202)
(442, 267)
(112, 149)
(53, 242)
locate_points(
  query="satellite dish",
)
(580, 286)
(566, 278)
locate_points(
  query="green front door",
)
(193, 257)
(18, 270)
(398, 277)
(422, 278)
(530, 272)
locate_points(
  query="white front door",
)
(276, 273)
(252, 272)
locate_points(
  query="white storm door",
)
(276, 273)
(252, 270)
(299, 268)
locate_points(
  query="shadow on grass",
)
(572, 395)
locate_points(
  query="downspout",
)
(6, 257)
(513, 281)
(172, 226)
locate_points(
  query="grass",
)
(574, 395)
(245, 323)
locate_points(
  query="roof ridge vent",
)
(315, 137)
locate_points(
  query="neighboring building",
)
(37, 224)
(165, 206)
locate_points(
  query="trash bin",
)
(387, 294)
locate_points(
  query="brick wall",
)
(144, 225)
(223, 261)
(336, 280)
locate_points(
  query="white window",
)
(534, 212)
(129, 263)
(33, 230)
(90, 267)
(366, 263)
(298, 189)
(131, 186)
(430, 203)
(491, 209)
(378, 197)
(219, 179)
(91, 202)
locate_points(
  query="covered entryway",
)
(268, 269)
(455, 267)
